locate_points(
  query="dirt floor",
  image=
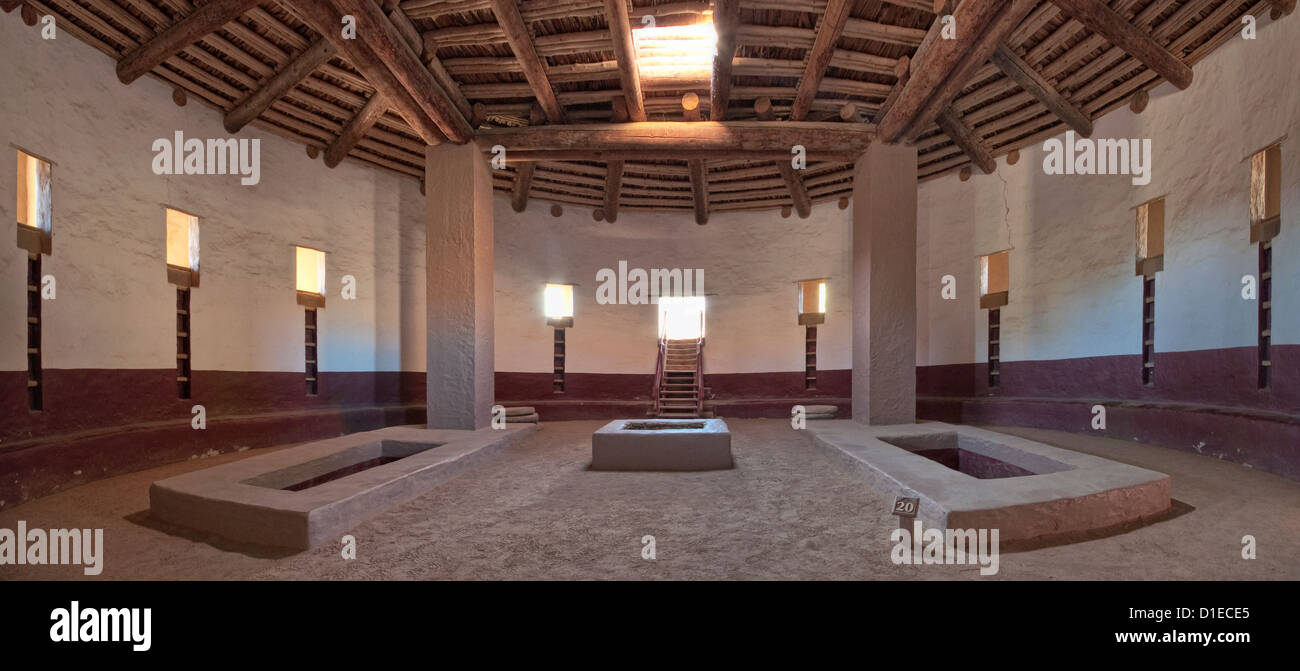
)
(785, 512)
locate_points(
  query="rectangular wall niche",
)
(35, 207)
(183, 271)
(1150, 260)
(995, 290)
(811, 304)
(1265, 224)
(310, 272)
(34, 210)
(557, 303)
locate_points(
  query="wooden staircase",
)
(679, 379)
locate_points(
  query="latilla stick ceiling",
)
(560, 72)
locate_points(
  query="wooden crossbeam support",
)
(723, 138)
(726, 19)
(10, 5)
(948, 64)
(798, 192)
(356, 128)
(386, 42)
(620, 31)
(962, 135)
(202, 21)
(523, 185)
(325, 19)
(279, 84)
(828, 34)
(1035, 84)
(521, 42)
(1103, 20)
(700, 190)
(1281, 7)
(613, 189)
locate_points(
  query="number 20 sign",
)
(906, 506)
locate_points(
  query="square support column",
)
(458, 272)
(884, 285)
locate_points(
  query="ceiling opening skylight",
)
(668, 56)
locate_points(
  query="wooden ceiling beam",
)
(10, 5)
(829, 30)
(190, 29)
(1139, 44)
(613, 189)
(729, 139)
(522, 187)
(396, 56)
(358, 127)
(1027, 77)
(966, 139)
(280, 83)
(521, 43)
(798, 191)
(944, 66)
(322, 17)
(700, 190)
(620, 31)
(726, 20)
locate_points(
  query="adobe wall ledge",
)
(1256, 439)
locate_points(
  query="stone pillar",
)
(458, 272)
(884, 285)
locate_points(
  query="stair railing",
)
(660, 364)
(699, 376)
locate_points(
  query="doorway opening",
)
(681, 317)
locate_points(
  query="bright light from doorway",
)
(681, 317)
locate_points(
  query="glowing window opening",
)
(311, 270)
(558, 301)
(182, 239)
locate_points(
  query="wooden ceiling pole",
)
(1100, 19)
(202, 21)
(828, 34)
(1035, 84)
(700, 190)
(428, 53)
(356, 128)
(325, 19)
(386, 42)
(726, 20)
(280, 83)
(723, 138)
(965, 138)
(948, 64)
(523, 185)
(798, 192)
(1281, 7)
(521, 42)
(613, 189)
(620, 31)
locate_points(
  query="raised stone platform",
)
(969, 478)
(304, 496)
(662, 445)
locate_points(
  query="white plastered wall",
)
(114, 307)
(1073, 288)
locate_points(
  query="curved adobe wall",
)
(1072, 331)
